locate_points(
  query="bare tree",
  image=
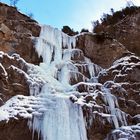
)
(112, 11)
(129, 3)
(31, 15)
(13, 2)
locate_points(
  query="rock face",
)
(121, 82)
(16, 31)
(126, 31)
(13, 77)
(107, 87)
(100, 49)
(11, 130)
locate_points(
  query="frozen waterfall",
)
(62, 119)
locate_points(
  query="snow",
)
(4, 115)
(125, 133)
(17, 105)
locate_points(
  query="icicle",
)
(61, 118)
(117, 115)
(64, 76)
(92, 68)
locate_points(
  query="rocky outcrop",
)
(126, 31)
(16, 37)
(13, 78)
(17, 32)
(125, 72)
(102, 50)
(117, 91)
(12, 130)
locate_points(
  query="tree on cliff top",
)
(13, 2)
(114, 17)
(67, 30)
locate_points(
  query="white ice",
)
(62, 119)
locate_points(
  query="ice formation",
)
(61, 119)
(59, 87)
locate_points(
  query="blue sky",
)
(77, 14)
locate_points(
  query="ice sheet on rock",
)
(68, 41)
(46, 44)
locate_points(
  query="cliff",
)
(104, 75)
(124, 26)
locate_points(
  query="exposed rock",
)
(126, 31)
(125, 92)
(125, 72)
(136, 119)
(16, 33)
(100, 49)
(13, 78)
(15, 130)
